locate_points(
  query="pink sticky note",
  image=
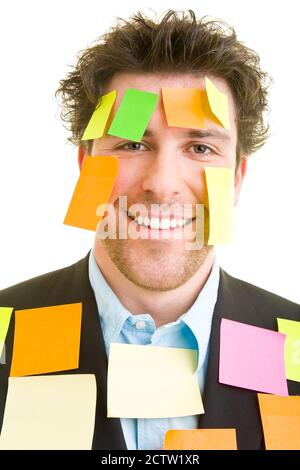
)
(252, 357)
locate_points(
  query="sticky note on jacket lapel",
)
(218, 103)
(292, 347)
(53, 412)
(183, 107)
(94, 187)
(46, 339)
(152, 382)
(133, 114)
(200, 439)
(220, 189)
(96, 126)
(5, 315)
(281, 421)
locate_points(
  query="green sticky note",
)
(5, 314)
(133, 115)
(292, 347)
(96, 126)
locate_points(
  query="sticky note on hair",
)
(47, 339)
(55, 412)
(183, 107)
(152, 382)
(96, 126)
(94, 187)
(218, 103)
(281, 421)
(252, 358)
(220, 190)
(5, 315)
(292, 347)
(133, 114)
(200, 439)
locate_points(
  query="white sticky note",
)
(152, 382)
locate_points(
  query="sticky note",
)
(183, 107)
(218, 102)
(5, 315)
(252, 357)
(96, 126)
(292, 347)
(281, 421)
(53, 412)
(93, 188)
(133, 114)
(200, 439)
(47, 339)
(152, 382)
(220, 190)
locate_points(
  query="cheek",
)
(128, 179)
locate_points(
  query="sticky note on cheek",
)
(220, 189)
(183, 107)
(292, 347)
(200, 439)
(96, 126)
(94, 187)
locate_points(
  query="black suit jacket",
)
(225, 406)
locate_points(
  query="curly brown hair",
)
(178, 43)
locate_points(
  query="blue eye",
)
(201, 148)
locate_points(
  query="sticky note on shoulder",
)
(292, 347)
(183, 107)
(133, 114)
(96, 126)
(200, 439)
(220, 189)
(94, 187)
(218, 103)
(5, 316)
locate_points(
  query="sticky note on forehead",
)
(133, 114)
(183, 107)
(200, 439)
(292, 347)
(281, 421)
(218, 102)
(96, 126)
(220, 189)
(94, 187)
(5, 315)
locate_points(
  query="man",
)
(148, 290)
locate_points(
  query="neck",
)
(163, 306)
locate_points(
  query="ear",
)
(82, 153)
(239, 177)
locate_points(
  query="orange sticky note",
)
(183, 107)
(94, 187)
(281, 421)
(47, 339)
(200, 439)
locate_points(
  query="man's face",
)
(167, 167)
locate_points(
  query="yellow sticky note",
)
(218, 102)
(183, 107)
(220, 189)
(93, 188)
(281, 421)
(292, 347)
(96, 126)
(152, 382)
(5, 315)
(46, 339)
(53, 412)
(200, 439)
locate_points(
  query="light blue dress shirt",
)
(191, 330)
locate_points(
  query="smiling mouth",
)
(160, 223)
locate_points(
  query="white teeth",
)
(173, 223)
(146, 221)
(180, 223)
(164, 224)
(154, 223)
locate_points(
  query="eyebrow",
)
(196, 134)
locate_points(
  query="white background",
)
(39, 169)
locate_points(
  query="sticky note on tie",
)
(200, 439)
(5, 315)
(183, 107)
(281, 421)
(152, 382)
(47, 339)
(96, 126)
(49, 413)
(292, 347)
(133, 114)
(218, 103)
(93, 188)
(252, 357)
(220, 190)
